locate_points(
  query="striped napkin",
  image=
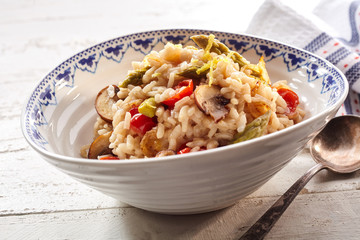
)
(332, 32)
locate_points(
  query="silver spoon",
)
(336, 147)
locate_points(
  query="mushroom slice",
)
(211, 102)
(167, 152)
(104, 101)
(100, 146)
(150, 144)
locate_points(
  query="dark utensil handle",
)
(267, 221)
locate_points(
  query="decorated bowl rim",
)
(244, 144)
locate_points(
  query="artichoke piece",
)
(194, 72)
(254, 129)
(219, 48)
(148, 107)
(150, 144)
(264, 76)
(134, 77)
(257, 109)
(259, 71)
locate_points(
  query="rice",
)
(186, 124)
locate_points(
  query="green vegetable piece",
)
(193, 72)
(236, 57)
(134, 78)
(254, 129)
(255, 70)
(219, 48)
(148, 107)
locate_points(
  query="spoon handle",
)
(267, 221)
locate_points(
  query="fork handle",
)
(267, 221)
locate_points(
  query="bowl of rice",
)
(181, 121)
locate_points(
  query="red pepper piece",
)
(184, 150)
(183, 89)
(109, 158)
(134, 111)
(290, 97)
(140, 123)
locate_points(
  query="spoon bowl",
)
(335, 147)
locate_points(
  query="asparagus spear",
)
(258, 71)
(194, 72)
(134, 77)
(254, 129)
(219, 48)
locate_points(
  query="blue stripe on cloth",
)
(354, 41)
(318, 42)
(347, 105)
(338, 55)
(353, 74)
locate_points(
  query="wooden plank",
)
(324, 181)
(28, 184)
(311, 216)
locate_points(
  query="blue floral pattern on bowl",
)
(45, 94)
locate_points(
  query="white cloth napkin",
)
(332, 32)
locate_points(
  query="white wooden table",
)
(39, 202)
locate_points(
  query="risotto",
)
(187, 99)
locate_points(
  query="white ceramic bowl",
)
(59, 116)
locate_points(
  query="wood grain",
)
(307, 218)
(39, 202)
